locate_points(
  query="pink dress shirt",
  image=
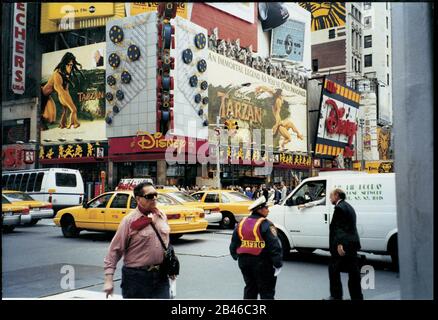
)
(144, 248)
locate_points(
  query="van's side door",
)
(68, 189)
(306, 215)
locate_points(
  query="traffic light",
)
(231, 125)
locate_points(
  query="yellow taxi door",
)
(117, 209)
(95, 213)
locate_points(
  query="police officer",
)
(258, 249)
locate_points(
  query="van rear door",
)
(309, 225)
(68, 188)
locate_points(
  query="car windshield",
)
(16, 196)
(182, 197)
(236, 197)
(4, 200)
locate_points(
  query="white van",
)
(306, 228)
(61, 187)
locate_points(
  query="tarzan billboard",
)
(256, 100)
(73, 94)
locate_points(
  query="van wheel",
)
(393, 251)
(69, 229)
(228, 221)
(305, 250)
(8, 229)
(284, 245)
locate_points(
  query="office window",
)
(367, 22)
(368, 60)
(368, 41)
(359, 16)
(367, 5)
(355, 65)
(315, 65)
(387, 60)
(332, 34)
(387, 41)
(387, 79)
(353, 39)
(358, 66)
(386, 5)
(360, 41)
(387, 23)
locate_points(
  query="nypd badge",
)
(273, 230)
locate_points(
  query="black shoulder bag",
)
(171, 262)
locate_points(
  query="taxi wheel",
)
(69, 229)
(33, 222)
(228, 221)
(174, 237)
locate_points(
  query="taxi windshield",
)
(236, 197)
(182, 197)
(4, 200)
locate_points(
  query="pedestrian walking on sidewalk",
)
(344, 244)
(136, 240)
(258, 250)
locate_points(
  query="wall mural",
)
(325, 14)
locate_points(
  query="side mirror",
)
(290, 202)
(85, 204)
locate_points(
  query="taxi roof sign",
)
(130, 184)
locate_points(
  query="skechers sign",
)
(19, 48)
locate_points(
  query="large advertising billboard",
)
(338, 118)
(326, 15)
(256, 101)
(135, 8)
(287, 41)
(64, 16)
(73, 94)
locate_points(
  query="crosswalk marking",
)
(83, 295)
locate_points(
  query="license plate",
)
(36, 209)
(8, 214)
(189, 219)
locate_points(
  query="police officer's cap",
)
(259, 203)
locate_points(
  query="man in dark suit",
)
(344, 244)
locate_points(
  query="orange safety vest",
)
(250, 236)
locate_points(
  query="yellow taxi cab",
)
(232, 204)
(106, 211)
(13, 215)
(38, 209)
(212, 212)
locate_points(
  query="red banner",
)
(146, 142)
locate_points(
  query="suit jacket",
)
(277, 196)
(343, 229)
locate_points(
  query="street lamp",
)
(217, 128)
(361, 125)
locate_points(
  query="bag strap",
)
(159, 237)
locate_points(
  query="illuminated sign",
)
(337, 121)
(70, 151)
(19, 48)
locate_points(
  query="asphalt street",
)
(36, 258)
